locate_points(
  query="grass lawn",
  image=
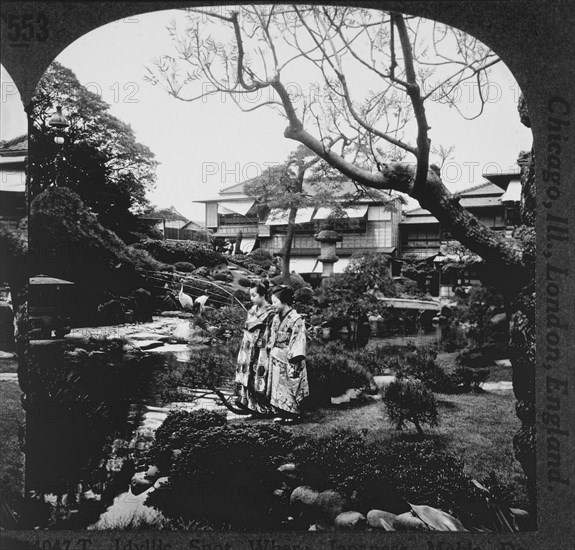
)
(12, 419)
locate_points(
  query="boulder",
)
(161, 482)
(304, 497)
(153, 472)
(290, 473)
(330, 504)
(139, 484)
(409, 522)
(350, 521)
(379, 519)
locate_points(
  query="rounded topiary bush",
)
(186, 267)
(245, 282)
(226, 474)
(421, 363)
(409, 400)
(170, 252)
(331, 374)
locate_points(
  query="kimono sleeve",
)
(298, 341)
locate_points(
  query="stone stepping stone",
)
(147, 344)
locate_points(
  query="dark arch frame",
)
(535, 39)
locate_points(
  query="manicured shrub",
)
(186, 267)
(331, 373)
(226, 474)
(172, 251)
(469, 379)
(245, 282)
(386, 475)
(423, 472)
(342, 461)
(420, 363)
(409, 400)
(262, 258)
(175, 431)
(224, 276)
(379, 360)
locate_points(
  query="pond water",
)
(82, 452)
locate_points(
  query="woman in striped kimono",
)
(251, 369)
(287, 381)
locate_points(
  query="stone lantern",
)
(327, 239)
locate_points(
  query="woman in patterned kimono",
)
(287, 380)
(251, 369)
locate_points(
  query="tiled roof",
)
(16, 145)
(485, 194)
(169, 214)
(339, 188)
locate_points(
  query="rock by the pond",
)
(320, 527)
(350, 521)
(139, 484)
(379, 519)
(147, 344)
(149, 336)
(77, 353)
(290, 472)
(152, 473)
(330, 504)
(409, 522)
(303, 496)
(161, 482)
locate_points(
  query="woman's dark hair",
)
(261, 287)
(284, 294)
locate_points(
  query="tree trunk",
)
(286, 249)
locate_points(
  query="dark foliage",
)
(69, 242)
(420, 363)
(225, 474)
(245, 282)
(170, 252)
(331, 373)
(409, 400)
(386, 476)
(425, 473)
(100, 160)
(186, 267)
(469, 379)
(176, 430)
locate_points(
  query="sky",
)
(205, 146)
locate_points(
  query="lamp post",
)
(60, 123)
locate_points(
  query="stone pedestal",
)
(328, 239)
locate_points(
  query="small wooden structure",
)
(49, 306)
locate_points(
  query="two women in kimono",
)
(271, 373)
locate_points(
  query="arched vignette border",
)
(536, 41)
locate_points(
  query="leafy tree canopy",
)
(100, 159)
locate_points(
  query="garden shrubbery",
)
(385, 477)
(421, 363)
(185, 267)
(224, 473)
(331, 373)
(378, 360)
(172, 251)
(409, 400)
